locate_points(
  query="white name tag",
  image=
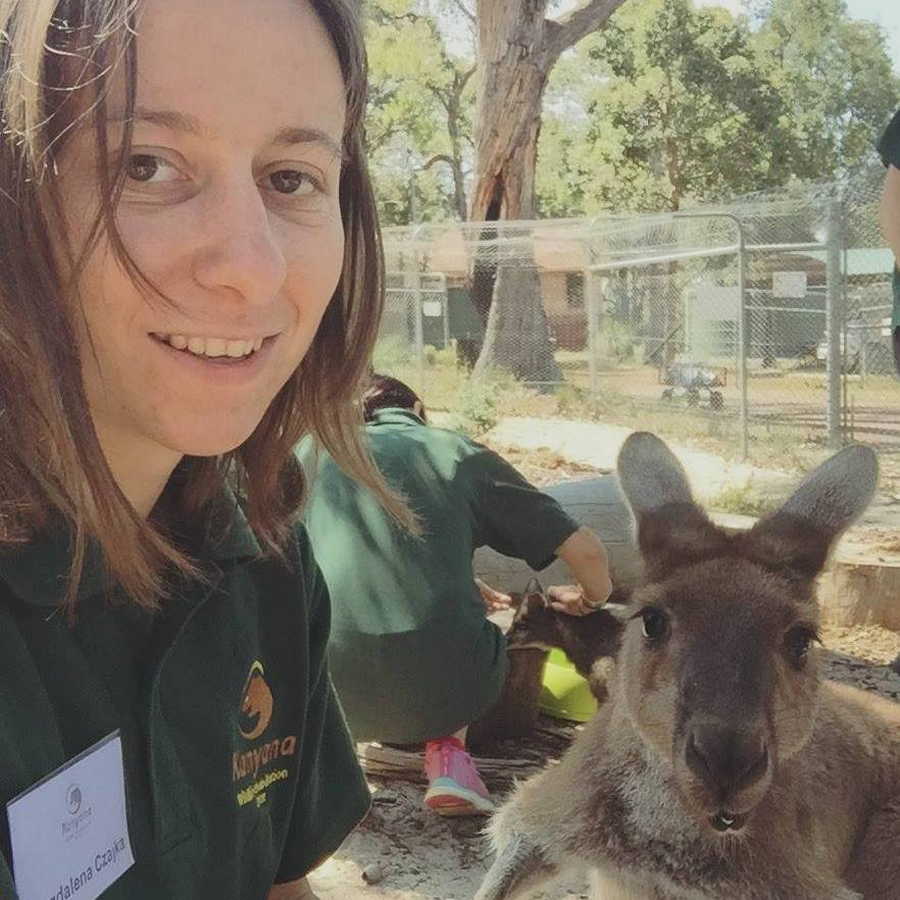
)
(69, 831)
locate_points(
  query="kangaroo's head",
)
(717, 668)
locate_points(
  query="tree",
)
(517, 49)
(836, 77)
(518, 45)
(672, 105)
(419, 116)
(683, 113)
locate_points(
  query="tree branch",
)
(463, 77)
(466, 12)
(571, 28)
(438, 157)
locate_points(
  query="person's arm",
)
(586, 556)
(890, 210)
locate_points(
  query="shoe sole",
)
(447, 800)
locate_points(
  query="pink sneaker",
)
(454, 786)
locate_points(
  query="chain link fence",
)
(761, 327)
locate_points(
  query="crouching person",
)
(413, 656)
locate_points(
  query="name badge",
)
(69, 831)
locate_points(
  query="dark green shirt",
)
(239, 770)
(889, 149)
(412, 654)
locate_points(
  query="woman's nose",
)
(238, 252)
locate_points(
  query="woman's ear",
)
(419, 410)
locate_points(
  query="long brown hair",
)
(53, 53)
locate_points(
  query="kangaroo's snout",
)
(725, 758)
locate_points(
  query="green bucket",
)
(565, 694)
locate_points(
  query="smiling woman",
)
(191, 283)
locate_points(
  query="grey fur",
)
(728, 678)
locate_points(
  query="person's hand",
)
(493, 600)
(571, 600)
(586, 556)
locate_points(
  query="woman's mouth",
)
(222, 349)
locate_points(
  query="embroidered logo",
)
(263, 764)
(256, 704)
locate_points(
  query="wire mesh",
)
(762, 324)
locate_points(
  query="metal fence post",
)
(413, 279)
(833, 317)
(590, 302)
(742, 342)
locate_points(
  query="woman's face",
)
(230, 209)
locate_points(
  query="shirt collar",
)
(38, 572)
(395, 415)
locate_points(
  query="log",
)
(861, 589)
(390, 762)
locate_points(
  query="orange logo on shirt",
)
(258, 762)
(256, 705)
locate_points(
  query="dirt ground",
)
(408, 853)
(799, 397)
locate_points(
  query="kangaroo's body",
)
(721, 766)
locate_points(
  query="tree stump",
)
(861, 588)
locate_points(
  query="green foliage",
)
(477, 411)
(672, 105)
(392, 355)
(836, 77)
(743, 500)
(419, 114)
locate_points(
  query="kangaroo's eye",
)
(655, 623)
(798, 641)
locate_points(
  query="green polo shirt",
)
(889, 149)
(412, 655)
(239, 770)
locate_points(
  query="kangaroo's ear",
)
(800, 534)
(672, 530)
(650, 475)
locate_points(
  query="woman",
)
(413, 655)
(190, 283)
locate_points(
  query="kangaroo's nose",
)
(726, 759)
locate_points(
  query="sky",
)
(885, 12)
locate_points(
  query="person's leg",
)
(454, 786)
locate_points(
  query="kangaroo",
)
(590, 642)
(722, 765)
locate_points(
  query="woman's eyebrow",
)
(189, 124)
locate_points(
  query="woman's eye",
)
(146, 168)
(292, 181)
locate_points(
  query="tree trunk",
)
(459, 189)
(517, 337)
(517, 48)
